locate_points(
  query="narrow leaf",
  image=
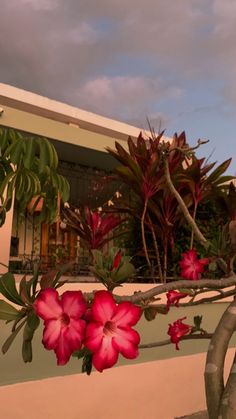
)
(7, 312)
(11, 338)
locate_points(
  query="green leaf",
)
(212, 266)
(4, 138)
(65, 189)
(3, 213)
(7, 312)
(33, 322)
(8, 288)
(150, 313)
(30, 152)
(197, 322)
(125, 272)
(87, 363)
(24, 290)
(80, 354)
(98, 257)
(35, 278)
(47, 279)
(27, 353)
(219, 171)
(28, 334)
(11, 338)
(186, 291)
(6, 181)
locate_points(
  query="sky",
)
(173, 62)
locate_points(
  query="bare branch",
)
(214, 380)
(168, 341)
(183, 207)
(208, 284)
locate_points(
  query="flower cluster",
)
(105, 329)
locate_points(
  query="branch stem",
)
(214, 369)
(183, 207)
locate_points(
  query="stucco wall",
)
(155, 390)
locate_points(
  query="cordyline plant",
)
(92, 227)
(99, 326)
(146, 168)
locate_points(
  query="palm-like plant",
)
(28, 168)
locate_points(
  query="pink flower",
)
(173, 297)
(177, 330)
(191, 266)
(63, 327)
(110, 332)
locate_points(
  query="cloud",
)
(124, 95)
(40, 4)
(119, 58)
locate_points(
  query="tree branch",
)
(168, 341)
(209, 284)
(214, 380)
(178, 285)
(228, 401)
(222, 295)
(183, 207)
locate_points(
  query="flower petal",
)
(126, 314)
(126, 341)
(51, 333)
(47, 304)
(94, 336)
(76, 332)
(106, 356)
(103, 306)
(70, 340)
(73, 304)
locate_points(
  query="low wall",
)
(161, 389)
(154, 390)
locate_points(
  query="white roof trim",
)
(52, 109)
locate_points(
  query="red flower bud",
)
(117, 260)
(173, 297)
(177, 330)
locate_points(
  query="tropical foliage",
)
(28, 169)
(170, 183)
(143, 169)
